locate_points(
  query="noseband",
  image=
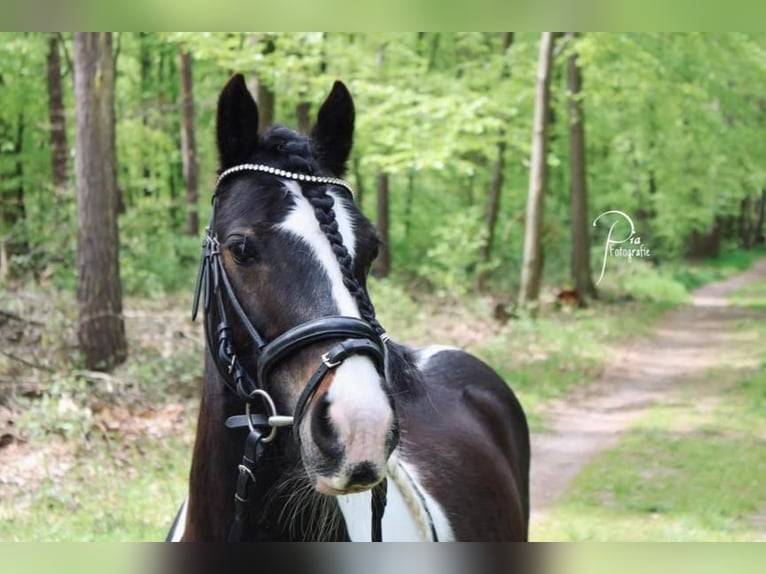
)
(357, 337)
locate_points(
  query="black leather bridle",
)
(357, 337)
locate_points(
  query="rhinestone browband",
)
(283, 173)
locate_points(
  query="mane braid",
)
(323, 204)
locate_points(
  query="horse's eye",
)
(243, 249)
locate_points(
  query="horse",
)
(313, 424)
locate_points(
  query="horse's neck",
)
(214, 463)
(217, 453)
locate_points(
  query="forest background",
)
(484, 159)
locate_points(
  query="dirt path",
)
(687, 342)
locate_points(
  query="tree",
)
(746, 225)
(145, 58)
(101, 328)
(13, 206)
(581, 272)
(758, 227)
(532, 265)
(383, 262)
(189, 144)
(57, 115)
(493, 199)
(264, 92)
(302, 112)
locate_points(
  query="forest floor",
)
(91, 456)
(694, 366)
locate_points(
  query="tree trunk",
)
(145, 68)
(101, 329)
(169, 97)
(189, 144)
(532, 265)
(495, 188)
(12, 200)
(20, 207)
(581, 272)
(746, 228)
(264, 95)
(759, 238)
(408, 203)
(266, 99)
(704, 244)
(56, 115)
(492, 209)
(359, 182)
(383, 263)
(302, 110)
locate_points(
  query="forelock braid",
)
(323, 204)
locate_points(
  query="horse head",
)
(295, 251)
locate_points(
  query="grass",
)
(126, 490)
(691, 470)
(664, 483)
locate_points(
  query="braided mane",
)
(323, 203)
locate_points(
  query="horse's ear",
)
(237, 123)
(334, 130)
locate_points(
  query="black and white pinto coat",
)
(460, 470)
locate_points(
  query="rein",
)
(358, 337)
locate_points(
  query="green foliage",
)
(671, 132)
(155, 258)
(641, 280)
(453, 259)
(717, 268)
(673, 122)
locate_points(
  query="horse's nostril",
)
(323, 431)
(363, 474)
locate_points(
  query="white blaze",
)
(302, 223)
(359, 407)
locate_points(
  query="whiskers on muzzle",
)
(301, 511)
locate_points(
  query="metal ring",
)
(272, 413)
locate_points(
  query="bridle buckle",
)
(330, 364)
